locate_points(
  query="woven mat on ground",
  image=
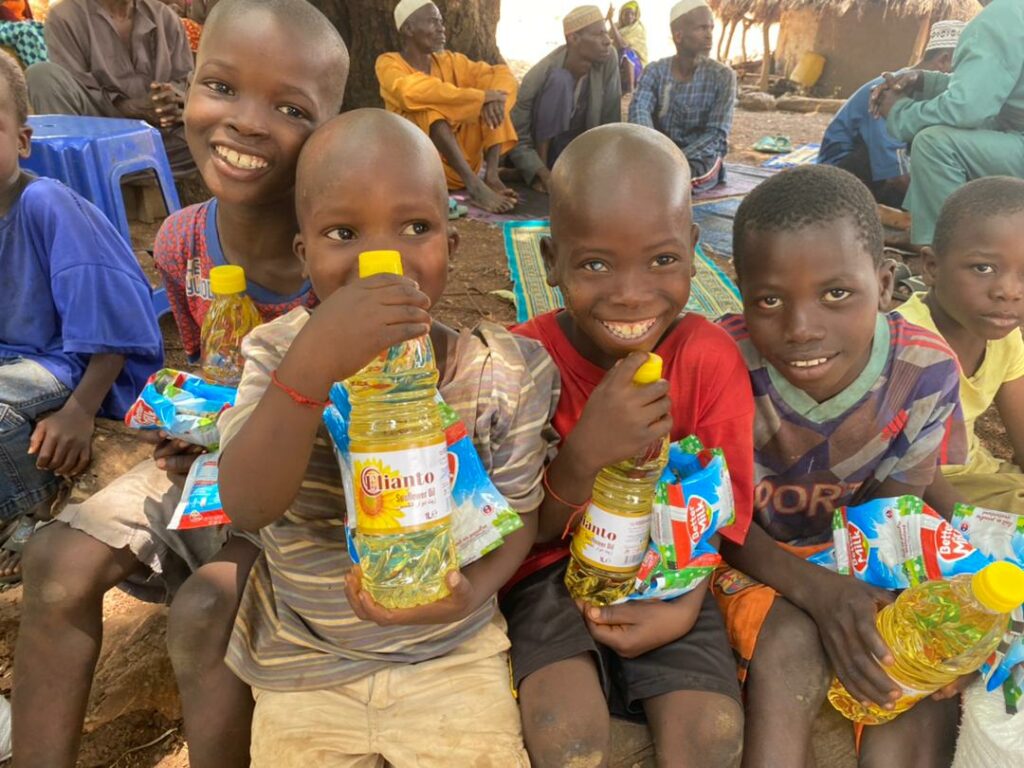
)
(532, 205)
(805, 155)
(739, 179)
(712, 293)
(715, 219)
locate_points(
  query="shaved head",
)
(615, 166)
(367, 146)
(314, 34)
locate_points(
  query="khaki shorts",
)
(456, 710)
(133, 512)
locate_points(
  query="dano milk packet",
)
(897, 543)
(1000, 535)
(200, 505)
(182, 405)
(692, 502)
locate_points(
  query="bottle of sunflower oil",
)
(610, 542)
(400, 468)
(230, 317)
(939, 631)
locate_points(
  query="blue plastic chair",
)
(92, 155)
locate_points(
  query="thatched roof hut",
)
(858, 38)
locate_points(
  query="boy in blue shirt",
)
(78, 336)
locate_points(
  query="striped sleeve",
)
(508, 389)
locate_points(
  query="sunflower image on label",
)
(611, 542)
(401, 490)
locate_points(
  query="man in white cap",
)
(690, 97)
(966, 124)
(574, 88)
(463, 105)
(858, 142)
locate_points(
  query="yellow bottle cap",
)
(227, 279)
(380, 262)
(999, 586)
(650, 371)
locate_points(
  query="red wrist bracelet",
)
(297, 397)
(577, 509)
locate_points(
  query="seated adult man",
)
(858, 142)
(689, 97)
(462, 105)
(574, 88)
(963, 125)
(117, 58)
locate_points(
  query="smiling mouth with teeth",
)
(240, 160)
(629, 331)
(812, 363)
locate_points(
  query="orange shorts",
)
(745, 604)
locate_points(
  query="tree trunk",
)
(368, 27)
(766, 62)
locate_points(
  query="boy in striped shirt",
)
(851, 404)
(337, 678)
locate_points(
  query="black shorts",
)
(545, 627)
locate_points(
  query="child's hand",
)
(621, 419)
(455, 607)
(845, 611)
(176, 457)
(62, 441)
(354, 325)
(632, 629)
(955, 688)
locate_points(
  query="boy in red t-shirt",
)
(621, 250)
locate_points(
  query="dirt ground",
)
(134, 714)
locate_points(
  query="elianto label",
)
(401, 490)
(611, 542)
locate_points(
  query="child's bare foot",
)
(11, 548)
(483, 196)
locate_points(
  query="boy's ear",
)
(886, 283)
(25, 141)
(547, 252)
(929, 265)
(454, 240)
(299, 247)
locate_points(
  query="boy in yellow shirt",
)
(975, 274)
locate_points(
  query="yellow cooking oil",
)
(230, 317)
(939, 631)
(400, 468)
(611, 539)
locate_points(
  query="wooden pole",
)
(766, 63)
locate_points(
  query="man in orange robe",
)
(463, 105)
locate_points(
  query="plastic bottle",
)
(230, 317)
(400, 468)
(939, 631)
(610, 542)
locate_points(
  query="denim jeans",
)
(27, 391)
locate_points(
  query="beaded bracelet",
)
(297, 397)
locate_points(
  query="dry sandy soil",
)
(134, 714)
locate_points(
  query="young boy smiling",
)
(339, 680)
(621, 251)
(851, 405)
(975, 273)
(268, 72)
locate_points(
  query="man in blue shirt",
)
(690, 97)
(861, 144)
